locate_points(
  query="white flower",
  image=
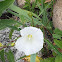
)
(31, 41)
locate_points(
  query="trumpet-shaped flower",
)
(31, 41)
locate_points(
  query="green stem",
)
(33, 58)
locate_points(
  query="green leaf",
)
(46, 7)
(57, 31)
(2, 0)
(38, 4)
(26, 5)
(2, 55)
(50, 59)
(10, 56)
(58, 43)
(24, 15)
(14, 28)
(36, 21)
(58, 58)
(33, 58)
(21, 57)
(45, 19)
(6, 22)
(4, 5)
(10, 34)
(56, 36)
(24, 19)
(54, 54)
(20, 11)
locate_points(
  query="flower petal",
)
(33, 45)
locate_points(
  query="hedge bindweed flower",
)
(31, 41)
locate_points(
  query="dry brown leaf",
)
(60, 50)
(47, 1)
(54, 44)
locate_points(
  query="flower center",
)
(29, 36)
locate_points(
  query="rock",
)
(57, 14)
(4, 39)
(22, 2)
